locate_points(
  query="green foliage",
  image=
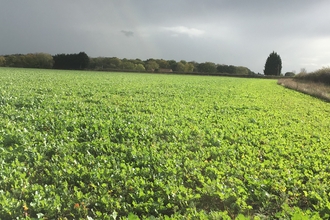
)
(151, 65)
(127, 65)
(31, 60)
(140, 67)
(71, 61)
(226, 69)
(42, 60)
(289, 74)
(163, 64)
(105, 63)
(273, 65)
(189, 67)
(83, 60)
(207, 67)
(2, 61)
(183, 66)
(180, 67)
(76, 145)
(241, 70)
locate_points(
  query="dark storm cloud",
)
(221, 31)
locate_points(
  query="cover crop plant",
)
(95, 145)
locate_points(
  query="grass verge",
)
(316, 89)
(316, 84)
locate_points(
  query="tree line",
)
(81, 61)
(46, 61)
(31, 60)
(161, 65)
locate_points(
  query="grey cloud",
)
(127, 33)
(220, 31)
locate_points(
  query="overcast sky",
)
(233, 32)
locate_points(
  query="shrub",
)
(290, 74)
(321, 75)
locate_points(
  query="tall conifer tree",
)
(273, 65)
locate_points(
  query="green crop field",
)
(95, 145)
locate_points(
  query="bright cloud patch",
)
(191, 32)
